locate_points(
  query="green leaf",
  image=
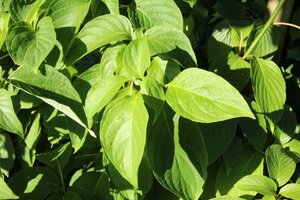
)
(232, 154)
(24, 10)
(101, 93)
(34, 132)
(29, 47)
(280, 166)
(123, 141)
(268, 45)
(112, 5)
(98, 32)
(269, 87)
(4, 20)
(8, 118)
(57, 158)
(6, 192)
(67, 16)
(60, 95)
(177, 156)
(258, 183)
(294, 145)
(171, 43)
(290, 191)
(34, 183)
(7, 154)
(224, 131)
(136, 58)
(164, 13)
(203, 96)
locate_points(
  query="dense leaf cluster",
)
(147, 99)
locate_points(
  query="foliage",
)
(147, 99)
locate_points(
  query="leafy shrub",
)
(143, 99)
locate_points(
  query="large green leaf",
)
(30, 47)
(101, 93)
(136, 58)
(281, 167)
(258, 183)
(269, 87)
(123, 140)
(6, 192)
(67, 16)
(177, 155)
(203, 96)
(171, 43)
(34, 183)
(25, 10)
(7, 154)
(60, 95)
(163, 13)
(98, 32)
(8, 118)
(290, 191)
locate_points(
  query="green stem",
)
(264, 30)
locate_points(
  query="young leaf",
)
(34, 132)
(164, 13)
(136, 58)
(269, 87)
(101, 93)
(24, 10)
(7, 154)
(29, 47)
(258, 183)
(171, 43)
(98, 32)
(8, 118)
(290, 191)
(123, 140)
(280, 166)
(205, 97)
(6, 192)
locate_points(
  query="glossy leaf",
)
(23, 42)
(8, 118)
(7, 154)
(269, 87)
(204, 97)
(6, 192)
(123, 135)
(101, 93)
(290, 191)
(172, 44)
(280, 166)
(164, 13)
(258, 183)
(98, 32)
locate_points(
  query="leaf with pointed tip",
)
(123, 135)
(290, 191)
(6, 192)
(98, 32)
(171, 43)
(164, 13)
(258, 183)
(24, 10)
(29, 47)
(281, 167)
(205, 97)
(8, 118)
